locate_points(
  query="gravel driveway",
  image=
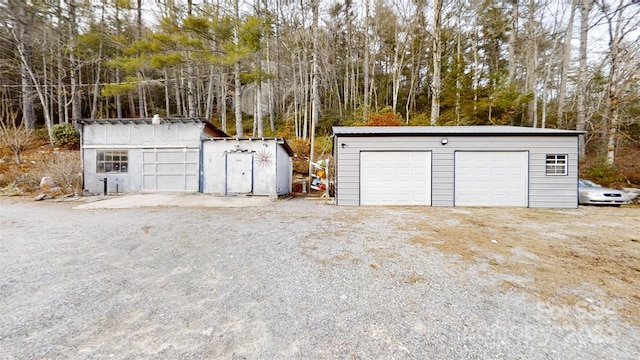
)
(288, 279)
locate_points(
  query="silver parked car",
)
(590, 193)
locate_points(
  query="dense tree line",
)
(302, 67)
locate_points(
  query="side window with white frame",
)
(112, 161)
(557, 164)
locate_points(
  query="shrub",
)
(388, 119)
(384, 117)
(602, 173)
(64, 168)
(302, 148)
(66, 135)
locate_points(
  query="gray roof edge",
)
(450, 130)
(149, 121)
(143, 120)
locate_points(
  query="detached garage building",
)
(180, 155)
(456, 166)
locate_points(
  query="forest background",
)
(295, 69)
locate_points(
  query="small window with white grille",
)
(112, 161)
(557, 164)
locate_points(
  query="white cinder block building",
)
(180, 155)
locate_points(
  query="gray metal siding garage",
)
(469, 166)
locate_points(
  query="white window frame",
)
(556, 164)
(117, 161)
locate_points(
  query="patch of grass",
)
(420, 240)
(11, 189)
(415, 279)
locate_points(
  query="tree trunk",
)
(314, 87)
(60, 88)
(167, 98)
(237, 99)
(532, 66)
(222, 102)
(191, 89)
(76, 99)
(565, 62)
(210, 93)
(512, 40)
(118, 75)
(436, 85)
(27, 85)
(237, 93)
(259, 121)
(38, 90)
(96, 85)
(365, 110)
(581, 116)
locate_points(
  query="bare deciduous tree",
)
(14, 134)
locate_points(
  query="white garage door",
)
(170, 170)
(395, 178)
(491, 178)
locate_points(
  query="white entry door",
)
(395, 178)
(239, 178)
(491, 178)
(170, 169)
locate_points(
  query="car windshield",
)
(587, 183)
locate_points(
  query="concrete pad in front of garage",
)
(175, 200)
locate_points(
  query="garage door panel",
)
(491, 178)
(170, 170)
(191, 168)
(173, 156)
(395, 178)
(387, 171)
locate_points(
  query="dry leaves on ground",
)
(564, 256)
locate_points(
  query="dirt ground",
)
(305, 279)
(562, 256)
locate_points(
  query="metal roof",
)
(448, 130)
(281, 141)
(209, 127)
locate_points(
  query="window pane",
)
(556, 164)
(111, 161)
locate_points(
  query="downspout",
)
(201, 167)
(79, 124)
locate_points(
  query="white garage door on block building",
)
(170, 170)
(395, 178)
(491, 178)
